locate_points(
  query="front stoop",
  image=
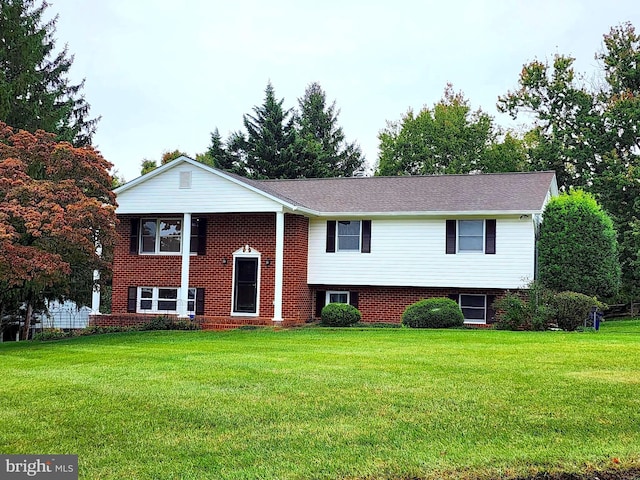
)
(229, 323)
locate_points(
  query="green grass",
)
(326, 403)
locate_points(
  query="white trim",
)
(155, 298)
(279, 268)
(474, 321)
(484, 235)
(246, 252)
(156, 249)
(184, 268)
(328, 294)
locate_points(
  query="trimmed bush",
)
(52, 334)
(340, 315)
(578, 250)
(433, 313)
(573, 308)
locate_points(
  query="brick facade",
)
(386, 304)
(226, 233)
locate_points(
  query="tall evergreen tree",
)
(35, 91)
(267, 149)
(323, 150)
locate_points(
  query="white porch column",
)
(95, 294)
(279, 266)
(184, 271)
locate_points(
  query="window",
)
(473, 308)
(337, 297)
(163, 300)
(161, 235)
(349, 236)
(470, 235)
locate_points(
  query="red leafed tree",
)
(56, 208)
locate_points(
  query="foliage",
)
(267, 148)
(52, 334)
(572, 309)
(577, 246)
(97, 330)
(448, 138)
(433, 313)
(453, 388)
(280, 143)
(56, 206)
(340, 315)
(35, 91)
(169, 323)
(530, 309)
(588, 135)
(322, 149)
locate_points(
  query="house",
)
(198, 242)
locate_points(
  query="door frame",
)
(246, 252)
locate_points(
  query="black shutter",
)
(451, 236)
(331, 236)
(321, 297)
(198, 236)
(455, 297)
(366, 236)
(199, 301)
(132, 299)
(353, 299)
(491, 312)
(133, 239)
(490, 237)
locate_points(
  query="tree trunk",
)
(27, 322)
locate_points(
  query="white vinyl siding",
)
(208, 193)
(411, 252)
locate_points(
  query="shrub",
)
(96, 330)
(578, 250)
(340, 315)
(511, 312)
(52, 334)
(168, 323)
(573, 308)
(433, 313)
(530, 310)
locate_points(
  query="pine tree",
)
(324, 152)
(35, 92)
(267, 150)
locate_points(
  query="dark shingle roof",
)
(514, 192)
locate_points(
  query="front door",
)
(246, 285)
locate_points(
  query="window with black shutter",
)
(132, 299)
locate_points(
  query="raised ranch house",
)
(202, 243)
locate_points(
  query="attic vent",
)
(185, 179)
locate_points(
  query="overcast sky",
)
(163, 74)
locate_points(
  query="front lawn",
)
(327, 403)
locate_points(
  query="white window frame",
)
(484, 309)
(327, 299)
(155, 298)
(484, 233)
(158, 221)
(338, 249)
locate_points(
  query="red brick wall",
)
(226, 233)
(296, 302)
(386, 304)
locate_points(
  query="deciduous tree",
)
(56, 207)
